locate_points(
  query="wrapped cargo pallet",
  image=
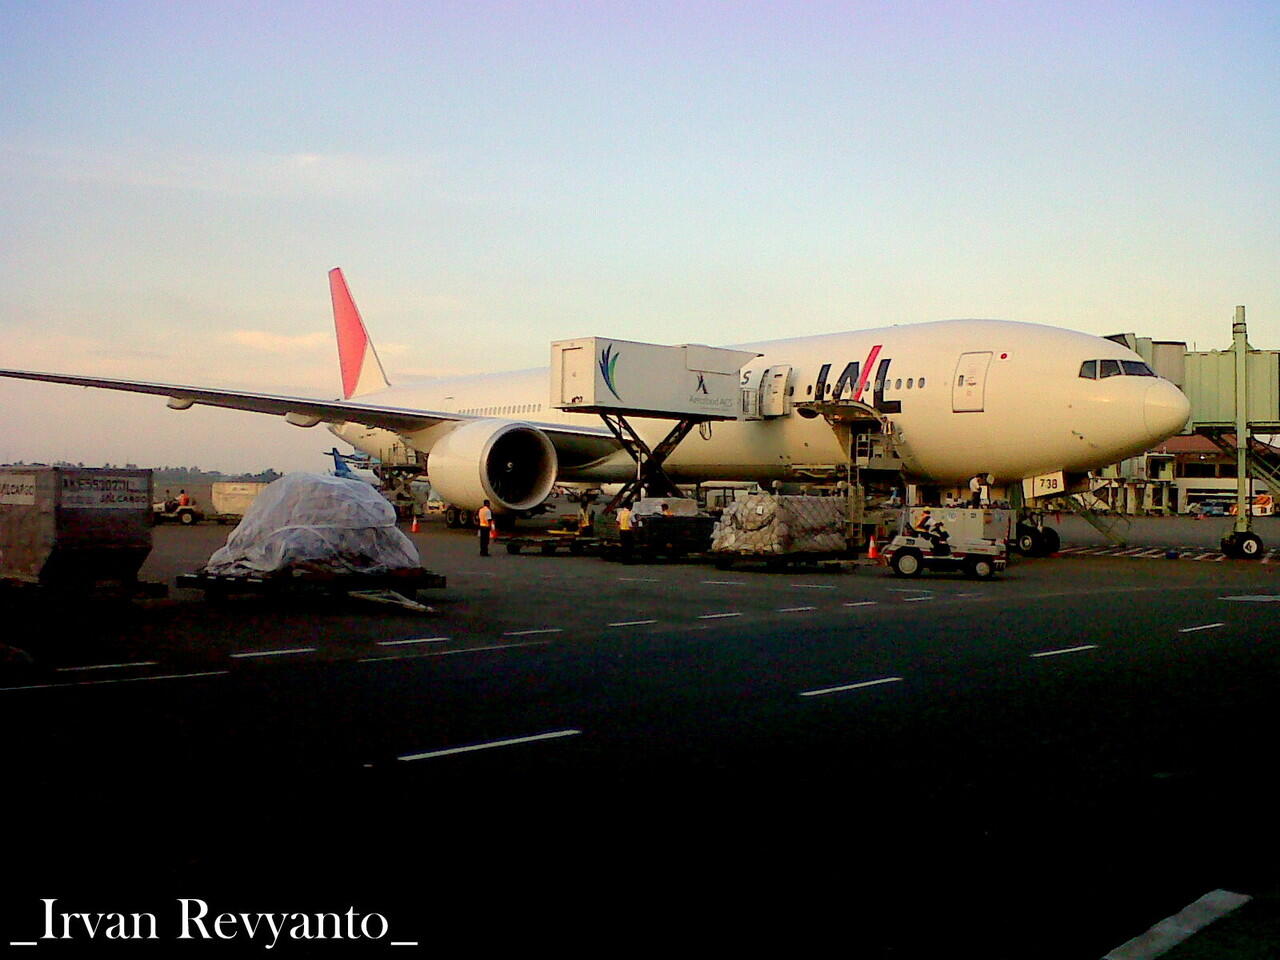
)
(316, 524)
(763, 524)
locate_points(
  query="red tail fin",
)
(361, 369)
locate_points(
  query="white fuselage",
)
(962, 397)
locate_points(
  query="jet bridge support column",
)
(1242, 541)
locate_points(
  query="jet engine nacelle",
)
(510, 464)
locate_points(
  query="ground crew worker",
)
(975, 491)
(666, 509)
(183, 499)
(585, 520)
(626, 535)
(484, 517)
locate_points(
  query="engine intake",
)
(510, 464)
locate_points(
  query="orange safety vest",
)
(485, 517)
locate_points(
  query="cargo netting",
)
(765, 524)
(318, 524)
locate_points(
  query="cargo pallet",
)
(401, 587)
(780, 561)
(551, 545)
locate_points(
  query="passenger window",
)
(921, 383)
(808, 391)
(898, 385)
(1108, 368)
(960, 380)
(1089, 370)
(910, 381)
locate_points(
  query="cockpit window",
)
(1098, 369)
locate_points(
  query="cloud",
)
(268, 342)
(260, 175)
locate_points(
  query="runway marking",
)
(850, 686)
(814, 586)
(718, 616)
(1054, 653)
(915, 599)
(861, 603)
(908, 590)
(530, 633)
(795, 609)
(272, 653)
(725, 583)
(489, 746)
(1255, 598)
(401, 643)
(504, 647)
(102, 683)
(1171, 931)
(110, 666)
(1203, 626)
(631, 623)
(639, 579)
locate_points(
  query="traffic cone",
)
(872, 552)
(413, 528)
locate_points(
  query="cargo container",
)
(74, 526)
(231, 498)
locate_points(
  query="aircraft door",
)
(774, 401)
(969, 385)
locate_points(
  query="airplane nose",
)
(1166, 410)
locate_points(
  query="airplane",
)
(960, 398)
(342, 468)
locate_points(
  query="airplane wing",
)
(398, 419)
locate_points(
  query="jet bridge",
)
(617, 379)
(1234, 394)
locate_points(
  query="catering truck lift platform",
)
(690, 384)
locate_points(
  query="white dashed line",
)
(1054, 653)
(850, 686)
(718, 616)
(103, 683)
(109, 666)
(1255, 598)
(814, 586)
(795, 609)
(861, 603)
(272, 653)
(639, 579)
(631, 623)
(725, 583)
(489, 746)
(530, 633)
(402, 643)
(1203, 626)
(915, 599)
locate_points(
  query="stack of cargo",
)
(763, 524)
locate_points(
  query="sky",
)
(176, 179)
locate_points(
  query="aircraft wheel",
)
(1250, 546)
(980, 568)
(907, 563)
(452, 518)
(1051, 540)
(1242, 546)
